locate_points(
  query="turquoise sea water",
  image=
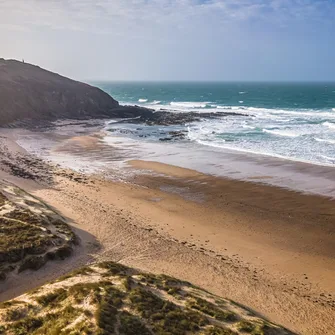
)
(291, 121)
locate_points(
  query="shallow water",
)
(110, 155)
(290, 121)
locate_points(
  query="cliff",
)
(30, 92)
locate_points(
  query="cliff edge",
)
(30, 92)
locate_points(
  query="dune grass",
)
(111, 299)
(31, 234)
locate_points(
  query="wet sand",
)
(267, 248)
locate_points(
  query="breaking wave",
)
(189, 104)
(324, 140)
(281, 133)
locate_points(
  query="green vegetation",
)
(52, 298)
(56, 323)
(27, 326)
(114, 268)
(18, 237)
(132, 325)
(15, 314)
(219, 331)
(110, 299)
(210, 309)
(30, 233)
(164, 315)
(84, 271)
(246, 326)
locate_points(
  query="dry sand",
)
(267, 248)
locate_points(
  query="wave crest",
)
(324, 140)
(189, 104)
(281, 133)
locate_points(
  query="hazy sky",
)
(173, 39)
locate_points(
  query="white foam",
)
(297, 113)
(242, 92)
(156, 102)
(331, 159)
(324, 140)
(271, 113)
(281, 133)
(142, 100)
(235, 108)
(329, 125)
(241, 101)
(256, 152)
(189, 104)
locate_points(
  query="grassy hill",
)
(31, 233)
(109, 298)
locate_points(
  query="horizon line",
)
(212, 81)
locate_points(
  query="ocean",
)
(291, 121)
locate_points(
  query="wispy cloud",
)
(113, 16)
(188, 39)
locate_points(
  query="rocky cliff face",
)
(29, 92)
(30, 95)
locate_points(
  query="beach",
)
(268, 248)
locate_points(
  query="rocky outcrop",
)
(165, 118)
(30, 96)
(28, 92)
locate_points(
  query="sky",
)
(172, 40)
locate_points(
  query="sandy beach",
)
(267, 248)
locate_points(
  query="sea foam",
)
(324, 140)
(189, 104)
(329, 125)
(281, 133)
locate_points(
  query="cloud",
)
(116, 16)
(171, 39)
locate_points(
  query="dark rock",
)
(32, 263)
(166, 118)
(63, 252)
(178, 135)
(51, 255)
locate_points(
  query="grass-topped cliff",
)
(30, 92)
(109, 298)
(31, 233)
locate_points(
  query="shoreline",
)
(241, 240)
(87, 147)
